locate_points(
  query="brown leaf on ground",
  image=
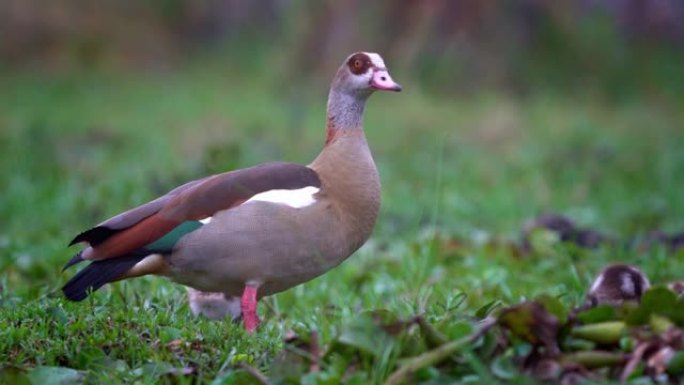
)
(531, 322)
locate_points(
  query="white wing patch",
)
(294, 198)
(205, 220)
(376, 59)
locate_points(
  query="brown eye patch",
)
(359, 63)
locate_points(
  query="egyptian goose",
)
(256, 231)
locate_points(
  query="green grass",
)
(460, 176)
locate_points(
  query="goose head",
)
(362, 73)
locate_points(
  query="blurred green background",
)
(509, 109)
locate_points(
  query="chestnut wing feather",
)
(195, 200)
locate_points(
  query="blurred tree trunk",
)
(446, 43)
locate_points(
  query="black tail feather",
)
(98, 273)
(94, 236)
(74, 260)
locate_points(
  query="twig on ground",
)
(255, 373)
(315, 350)
(634, 360)
(438, 354)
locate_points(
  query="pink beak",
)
(381, 80)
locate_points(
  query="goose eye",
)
(358, 64)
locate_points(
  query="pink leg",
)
(248, 303)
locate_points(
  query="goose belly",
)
(271, 245)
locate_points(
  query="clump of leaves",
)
(536, 233)
(537, 340)
(547, 229)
